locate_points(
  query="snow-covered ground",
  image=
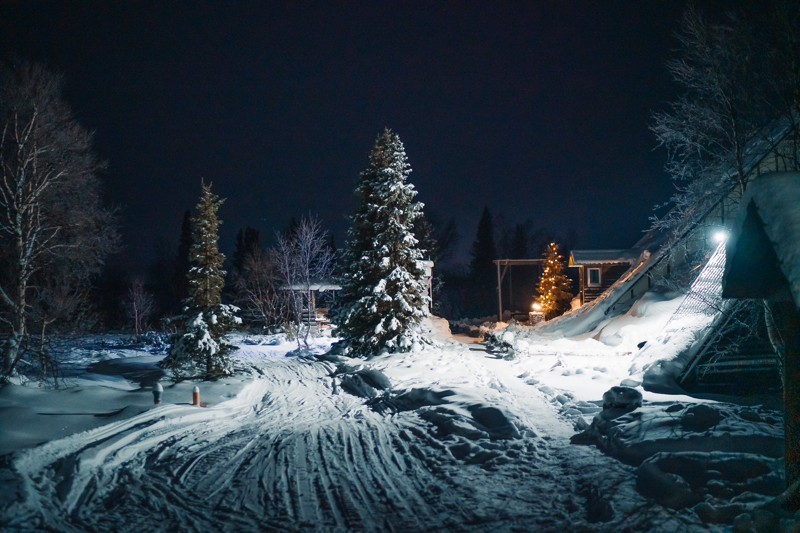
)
(455, 437)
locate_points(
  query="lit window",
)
(593, 277)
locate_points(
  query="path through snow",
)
(477, 449)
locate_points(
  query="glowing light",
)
(720, 235)
(536, 306)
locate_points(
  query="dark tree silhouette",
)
(482, 272)
(181, 276)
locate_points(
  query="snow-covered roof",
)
(602, 257)
(314, 286)
(775, 199)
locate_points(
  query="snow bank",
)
(109, 378)
(720, 461)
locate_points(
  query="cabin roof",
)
(317, 286)
(602, 257)
(769, 217)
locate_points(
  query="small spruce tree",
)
(554, 285)
(384, 294)
(199, 348)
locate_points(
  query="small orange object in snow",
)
(196, 395)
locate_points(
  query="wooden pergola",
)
(502, 269)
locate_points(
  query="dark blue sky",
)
(538, 110)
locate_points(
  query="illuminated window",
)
(593, 277)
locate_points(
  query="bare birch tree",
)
(303, 258)
(257, 292)
(739, 76)
(54, 232)
(139, 306)
(708, 127)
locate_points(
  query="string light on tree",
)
(554, 285)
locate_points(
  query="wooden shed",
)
(599, 269)
(312, 316)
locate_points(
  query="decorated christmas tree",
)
(199, 348)
(554, 285)
(384, 294)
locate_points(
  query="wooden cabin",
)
(599, 269)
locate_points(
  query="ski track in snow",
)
(290, 452)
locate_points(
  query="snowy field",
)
(455, 437)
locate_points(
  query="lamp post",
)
(158, 390)
(535, 315)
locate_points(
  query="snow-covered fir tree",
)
(384, 294)
(554, 285)
(199, 349)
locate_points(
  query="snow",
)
(453, 435)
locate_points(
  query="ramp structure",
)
(730, 349)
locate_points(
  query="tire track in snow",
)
(288, 454)
(284, 454)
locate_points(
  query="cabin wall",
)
(609, 274)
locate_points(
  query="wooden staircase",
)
(736, 356)
(732, 353)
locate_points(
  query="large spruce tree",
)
(199, 349)
(384, 295)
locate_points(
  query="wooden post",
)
(196, 395)
(499, 294)
(786, 320)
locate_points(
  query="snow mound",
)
(410, 400)
(625, 333)
(685, 479)
(449, 415)
(720, 460)
(626, 398)
(436, 328)
(634, 436)
(481, 422)
(365, 382)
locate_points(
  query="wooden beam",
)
(505, 263)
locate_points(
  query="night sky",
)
(538, 110)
